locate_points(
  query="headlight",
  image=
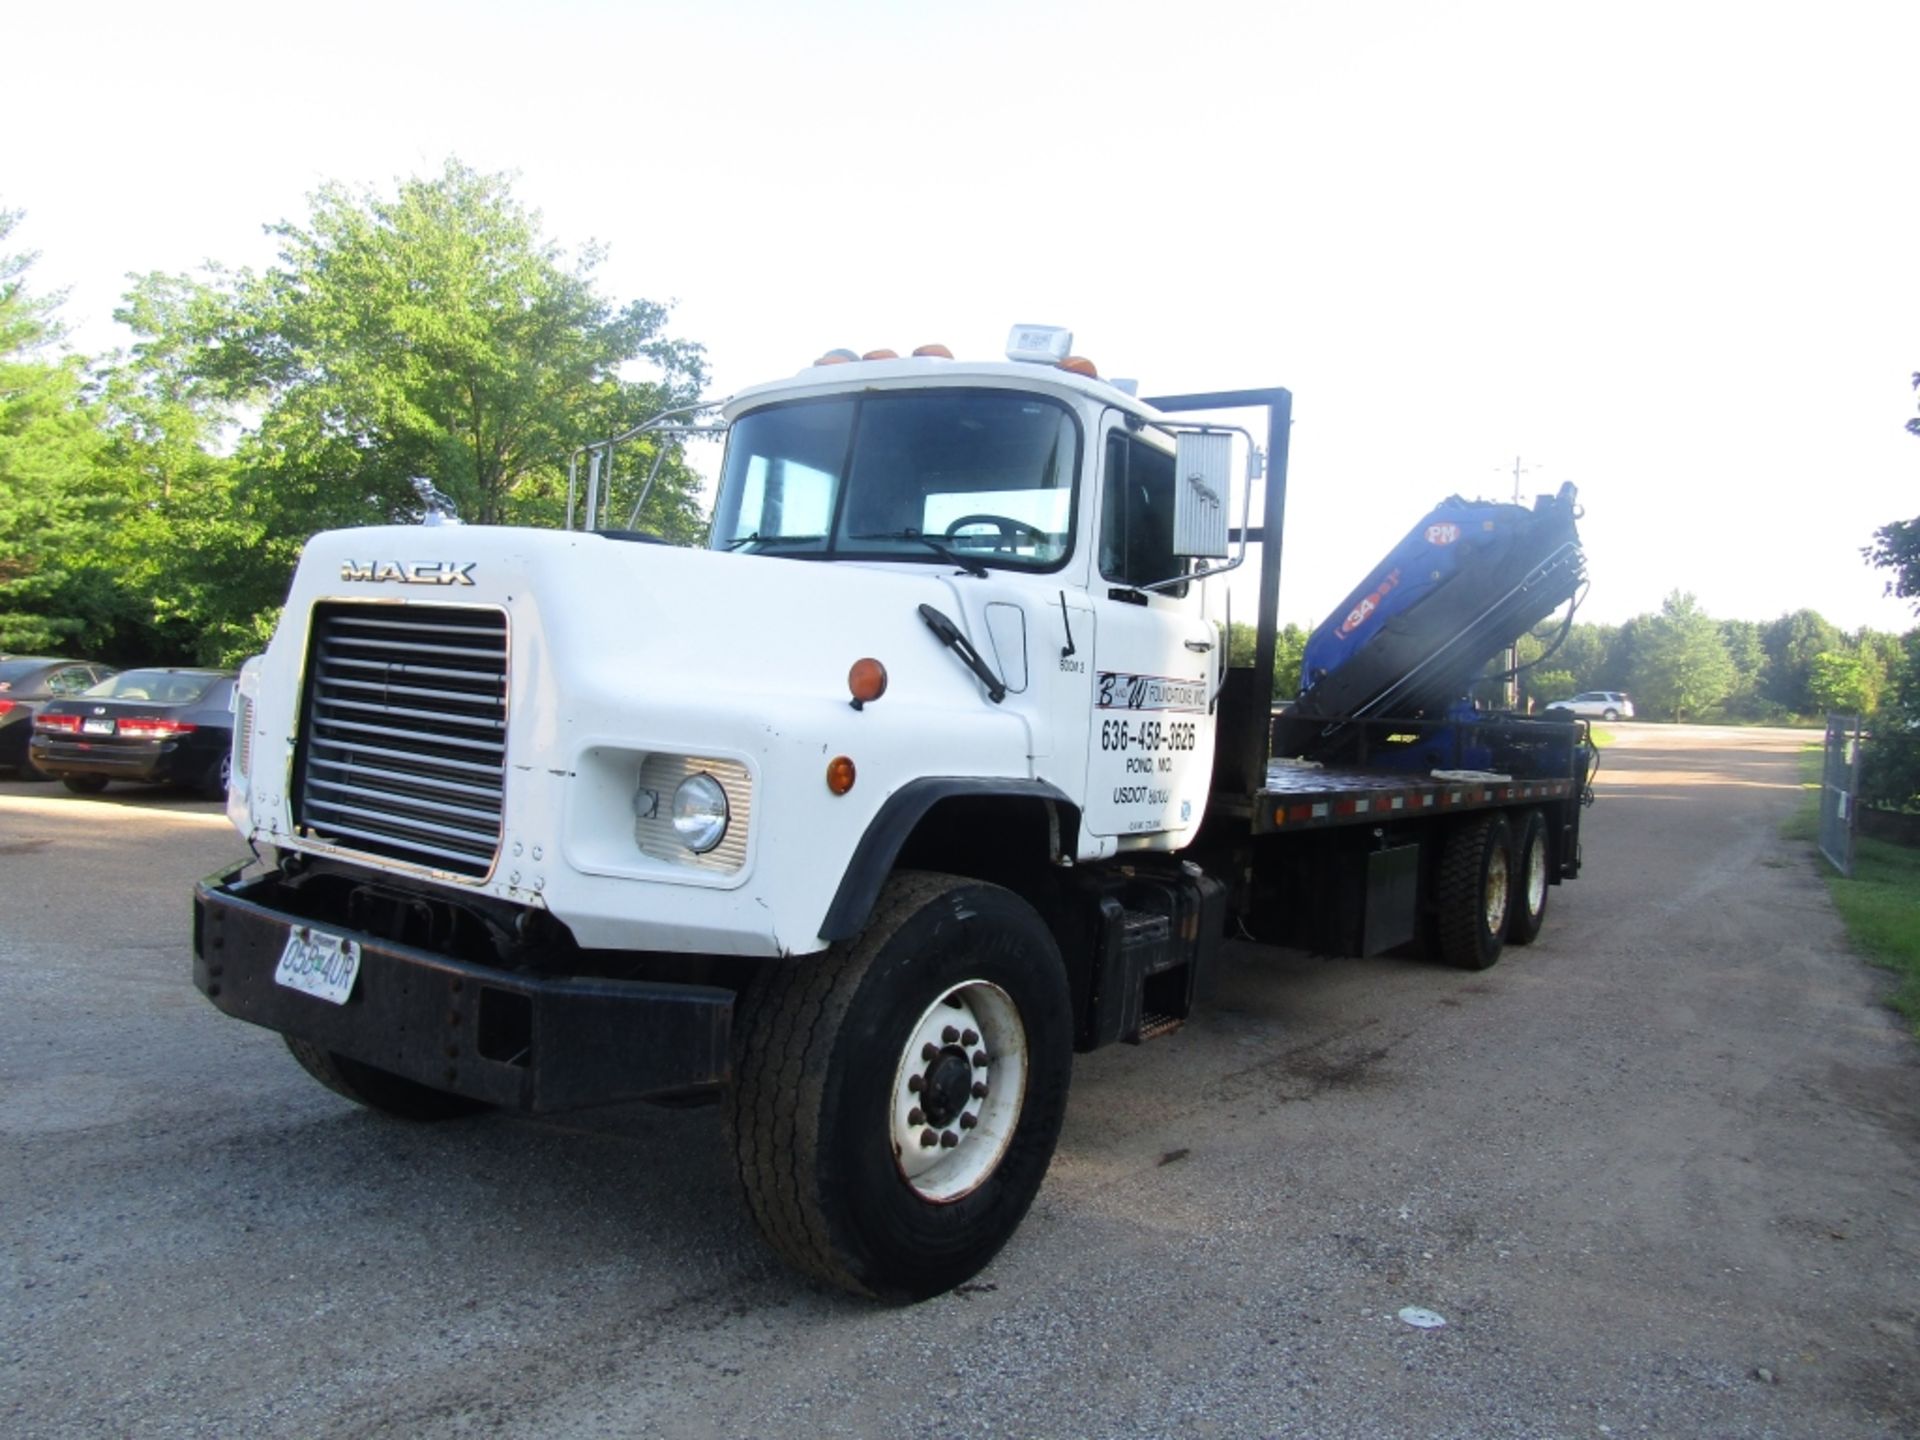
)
(700, 812)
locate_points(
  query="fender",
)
(873, 858)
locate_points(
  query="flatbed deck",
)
(1302, 795)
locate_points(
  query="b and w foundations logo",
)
(410, 572)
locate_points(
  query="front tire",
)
(1531, 876)
(378, 1089)
(81, 784)
(878, 1147)
(1473, 891)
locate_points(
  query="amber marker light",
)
(1080, 365)
(881, 355)
(933, 352)
(837, 357)
(868, 682)
(840, 774)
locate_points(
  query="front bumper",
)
(528, 1043)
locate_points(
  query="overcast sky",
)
(1665, 251)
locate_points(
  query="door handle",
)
(1200, 647)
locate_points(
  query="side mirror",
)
(1203, 481)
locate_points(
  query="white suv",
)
(1594, 705)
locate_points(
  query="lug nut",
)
(949, 1034)
(916, 1083)
(968, 1037)
(914, 1117)
(980, 1058)
(969, 1120)
(979, 1089)
(929, 1051)
(948, 1140)
(928, 1139)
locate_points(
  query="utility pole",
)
(1513, 650)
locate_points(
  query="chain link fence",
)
(1839, 785)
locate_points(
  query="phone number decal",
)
(1146, 736)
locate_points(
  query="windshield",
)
(984, 477)
(163, 687)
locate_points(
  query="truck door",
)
(1150, 744)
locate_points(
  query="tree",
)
(1681, 663)
(436, 333)
(1792, 642)
(49, 445)
(1845, 681)
(1289, 646)
(1896, 546)
(1545, 686)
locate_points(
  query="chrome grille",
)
(404, 747)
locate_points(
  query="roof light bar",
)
(1039, 344)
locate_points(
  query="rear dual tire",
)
(1532, 873)
(1490, 888)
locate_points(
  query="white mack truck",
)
(929, 772)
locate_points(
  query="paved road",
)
(1673, 1145)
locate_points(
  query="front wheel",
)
(82, 784)
(896, 1100)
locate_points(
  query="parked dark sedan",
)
(26, 683)
(153, 726)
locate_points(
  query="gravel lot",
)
(1659, 1174)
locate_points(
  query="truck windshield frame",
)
(978, 476)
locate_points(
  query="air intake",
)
(403, 745)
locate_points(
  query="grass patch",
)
(1804, 823)
(1601, 738)
(1881, 908)
(1880, 905)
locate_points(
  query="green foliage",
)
(1880, 906)
(1791, 643)
(1845, 682)
(1289, 646)
(1680, 664)
(435, 333)
(153, 511)
(50, 495)
(1543, 686)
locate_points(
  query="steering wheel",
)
(1011, 532)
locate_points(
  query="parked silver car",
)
(1594, 705)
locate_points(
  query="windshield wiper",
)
(972, 567)
(758, 539)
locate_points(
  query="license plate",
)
(318, 964)
(96, 727)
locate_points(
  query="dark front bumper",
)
(521, 1042)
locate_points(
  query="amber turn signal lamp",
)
(867, 680)
(881, 355)
(1080, 365)
(934, 352)
(840, 774)
(836, 357)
